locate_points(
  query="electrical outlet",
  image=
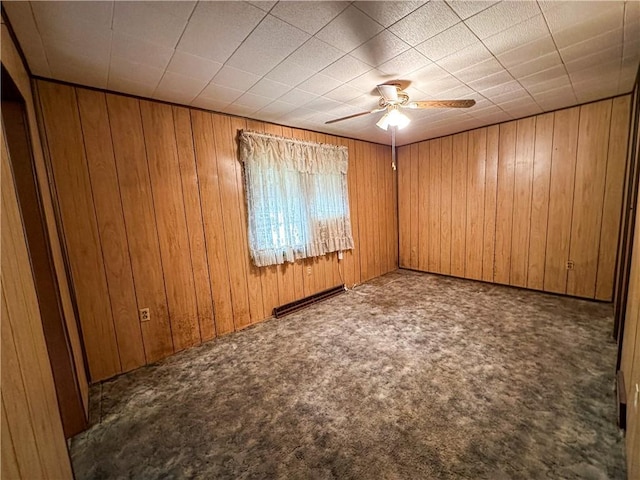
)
(570, 265)
(340, 256)
(308, 270)
(145, 316)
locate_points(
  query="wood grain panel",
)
(404, 204)
(477, 157)
(231, 221)
(523, 186)
(207, 165)
(490, 201)
(252, 273)
(540, 200)
(591, 168)
(377, 208)
(446, 205)
(459, 203)
(425, 213)
(194, 218)
(168, 201)
(435, 168)
(612, 209)
(563, 165)
(504, 202)
(115, 249)
(414, 258)
(65, 144)
(33, 442)
(140, 221)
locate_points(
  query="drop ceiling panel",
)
(303, 63)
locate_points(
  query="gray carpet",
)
(411, 376)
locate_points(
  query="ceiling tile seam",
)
(113, 14)
(266, 14)
(175, 47)
(448, 2)
(348, 4)
(553, 39)
(479, 40)
(502, 65)
(624, 16)
(46, 57)
(399, 20)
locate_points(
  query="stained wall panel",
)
(531, 203)
(171, 201)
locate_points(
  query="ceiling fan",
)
(393, 100)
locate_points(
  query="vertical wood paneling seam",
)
(24, 386)
(204, 236)
(186, 226)
(10, 440)
(224, 233)
(495, 222)
(604, 195)
(484, 196)
(155, 217)
(124, 224)
(95, 217)
(546, 236)
(533, 176)
(513, 198)
(573, 197)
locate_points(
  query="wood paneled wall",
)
(152, 206)
(513, 203)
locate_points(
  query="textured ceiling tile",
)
(346, 68)
(235, 78)
(526, 32)
(605, 41)
(610, 56)
(527, 52)
(479, 71)
(209, 103)
(424, 23)
(405, 63)
(239, 110)
(466, 9)
(269, 88)
(380, 48)
(435, 88)
(319, 84)
(220, 93)
(255, 102)
(501, 17)
(196, 67)
(448, 42)
(82, 37)
(576, 23)
(216, 29)
(465, 58)
(349, 30)
(487, 81)
(137, 72)
(388, 13)
(63, 54)
(130, 86)
(343, 93)
(276, 109)
(322, 104)
(181, 97)
(83, 70)
(308, 16)
(289, 73)
(368, 81)
(542, 62)
(265, 5)
(156, 22)
(298, 97)
(176, 82)
(60, 18)
(315, 55)
(270, 43)
(138, 51)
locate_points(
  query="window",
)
(297, 198)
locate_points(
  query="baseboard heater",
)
(621, 393)
(306, 301)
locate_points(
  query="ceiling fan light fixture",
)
(393, 118)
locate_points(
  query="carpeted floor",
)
(411, 376)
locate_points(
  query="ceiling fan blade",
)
(442, 104)
(355, 115)
(388, 92)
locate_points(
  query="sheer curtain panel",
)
(297, 198)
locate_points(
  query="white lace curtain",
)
(297, 198)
